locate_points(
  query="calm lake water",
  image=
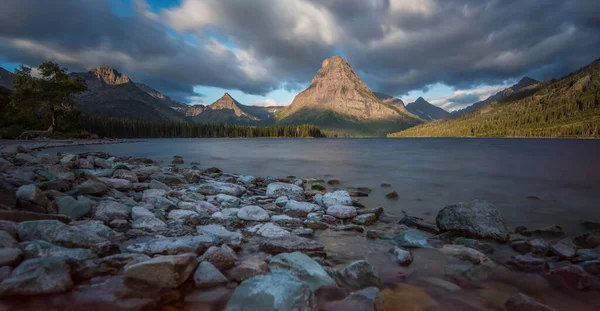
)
(534, 182)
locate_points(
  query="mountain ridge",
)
(427, 111)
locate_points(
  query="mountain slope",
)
(426, 111)
(338, 100)
(568, 107)
(6, 78)
(163, 98)
(113, 94)
(227, 110)
(390, 100)
(523, 83)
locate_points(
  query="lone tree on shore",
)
(50, 93)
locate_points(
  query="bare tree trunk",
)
(53, 125)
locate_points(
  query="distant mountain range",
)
(567, 107)
(426, 111)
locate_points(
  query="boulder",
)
(163, 271)
(32, 194)
(107, 211)
(9, 227)
(214, 188)
(139, 212)
(300, 209)
(522, 302)
(249, 267)
(403, 257)
(155, 184)
(591, 266)
(270, 230)
(461, 251)
(341, 211)
(36, 249)
(221, 257)
(58, 233)
(278, 189)
(253, 213)
(49, 275)
(358, 275)
(227, 201)
(246, 180)
(340, 197)
(10, 256)
(207, 275)
(149, 223)
(92, 187)
(172, 246)
(151, 194)
(221, 235)
(181, 215)
(302, 267)
(564, 249)
(477, 219)
(73, 208)
(365, 219)
(292, 244)
(272, 292)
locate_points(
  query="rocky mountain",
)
(338, 100)
(194, 110)
(113, 94)
(179, 106)
(426, 111)
(567, 107)
(391, 100)
(6, 78)
(522, 84)
(227, 110)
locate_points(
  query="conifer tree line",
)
(120, 128)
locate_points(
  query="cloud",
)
(463, 98)
(262, 45)
(268, 102)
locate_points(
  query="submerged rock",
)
(164, 271)
(412, 238)
(358, 275)
(303, 267)
(403, 257)
(527, 263)
(522, 302)
(477, 218)
(572, 276)
(38, 276)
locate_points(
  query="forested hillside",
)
(568, 107)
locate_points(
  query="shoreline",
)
(11, 146)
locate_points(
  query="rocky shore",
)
(12, 146)
(98, 232)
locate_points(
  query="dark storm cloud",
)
(257, 46)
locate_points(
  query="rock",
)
(36, 249)
(164, 271)
(213, 188)
(572, 276)
(527, 263)
(485, 248)
(253, 213)
(38, 276)
(10, 256)
(151, 194)
(228, 201)
(291, 244)
(91, 187)
(139, 212)
(5, 273)
(412, 238)
(248, 268)
(22, 158)
(278, 189)
(403, 257)
(328, 219)
(169, 179)
(591, 266)
(155, 184)
(246, 180)
(286, 221)
(32, 194)
(149, 223)
(9, 227)
(564, 249)
(221, 257)
(341, 211)
(105, 249)
(392, 195)
(475, 219)
(97, 227)
(300, 209)
(270, 230)
(20, 216)
(58, 185)
(118, 184)
(107, 211)
(334, 182)
(75, 209)
(7, 240)
(181, 215)
(461, 251)
(172, 246)
(177, 160)
(272, 292)
(587, 240)
(591, 225)
(443, 284)
(355, 228)
(368, 299)
(281, 201)
(358, 275)
(207, 275)
(303, 267)
(365, 219)
(57, 233)
(587, 254)
(545, 232)
(522, 302)
(221, 235)
(340, 197)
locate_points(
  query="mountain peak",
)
(334, 61)
(109, 75)
(421, 100)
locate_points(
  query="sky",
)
(263, 52)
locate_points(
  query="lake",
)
(534, 182)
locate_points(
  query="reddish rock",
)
(573, 277)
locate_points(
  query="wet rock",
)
(58, 233)
(107, 211)
(572, 276)
(270, 230)
(181, 215)
(171, 246)
(392, 195)
(118, 184)
(300, 209)
(355, 228)
(412, 238)
(32, 194)
(5, 273)
(591, 225)
(281, 201)
(58, 185)
(315, 224)
(164, 271)
(340, 197)
(22, 158)
(328, 219)
(403, 257)
(228, 201)
(358, 275)
(10, 256)
(253, 213)
(38, 276)
(177, 160)
(587, 240)
(207, 275)
(271, 292)
(73, 208)
(149, 223)
(246, 180)
(292, 244)
(303, 267)
(214, 188)
(527, 263)
(221, 257)
(485, 248)
(522, 302)
(472, 255)
(303, 232)
(341, 211)
(155, 184)
(278, 189)
(286, 221)
(35, 249)
(221, 235)
(92, 187)
(418, 223)
(564, 249)
(475, 219)
(365, 219)
(248, 268)
(545, 232)
(587, 254)
(7, 240)
(368, 299)
(169, 179)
